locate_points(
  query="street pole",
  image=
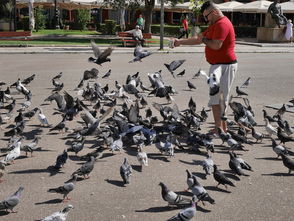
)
(56, 16)
(161, 23)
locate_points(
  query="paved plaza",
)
(267, 194)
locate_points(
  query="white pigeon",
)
(42, 118)
(142, 157)
(207, 165)
(59, 216)
(13, 154)
(269, 128)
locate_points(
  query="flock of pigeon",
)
(113, 117)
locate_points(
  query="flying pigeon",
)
(139, 54)
(181, 73)
(59, 216)
(190, 85)
(107, 74)
(174, 65)
(10, 202)
(100, 57)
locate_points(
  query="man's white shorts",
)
(224, 74)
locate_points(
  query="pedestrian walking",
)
(185, 28)
(289, 30)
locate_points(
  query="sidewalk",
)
(242, 46)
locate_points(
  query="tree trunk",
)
(149, 6)
(122, 22)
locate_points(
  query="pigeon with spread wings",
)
(100, 57)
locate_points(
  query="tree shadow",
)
(278, 174)
(118, 183)
(214, 188)
(53, 201)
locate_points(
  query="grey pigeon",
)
(125, 171)
(2, 171)
(240, 93)
(59, 216)
(100, 57)
(174, 65)
(258, 136)
(85, 169)
(171, 197)
(31, 147)
(246, 83)
(190, 85)
(186, 214)
(242, 162)
(190, 180)
(278, 149)
(139, 54)
(235, 165)
(201, 193)
(65, 189)
(10, 202)
(221, 178)
(61, 160)
(289, 163)
(207, 165)
(107, 74)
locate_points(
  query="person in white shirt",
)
(289, 30)
(137, 35)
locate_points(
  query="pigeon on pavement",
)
(186, 214)
(10, 202)
(61, 160)
(85, 169)
(126, 171)
(289, 163)
(59, 216)
(171, 197)
(207, 165)
(221, 178)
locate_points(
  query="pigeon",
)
(270, 119)
(283, 137)
(100, 57)
(190, 180)
(143, 87)
(258, 136)
(59, 216)
(42, 118)
(171, 197)
(281, 111)
(58, 76)
(181, 73)
(10, 202)
(190, 85)
(200, 192)
(2, 171)
(142, 157)
(97, 153)
(221, 178)
(77, 146)
(246, 83)
(242, 162)
(60, 126)
(174, 65)
(65, 189)
(107, 74)
(13, 154)
(92, 74)
(85, 169)
(186, 214)
(30, 147)
(125, 171)
(117, 145)
(61, 160)
(207, 165)
(140, 53)
(235, 165)
(289, 163)
(288, 130)
(240, 93)
(278, 149)
(269, 128)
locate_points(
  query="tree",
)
(121, 6)
(8, 7)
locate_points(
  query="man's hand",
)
(177, 42)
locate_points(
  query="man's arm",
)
(212, 43)
(196, 40)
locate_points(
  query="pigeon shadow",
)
(74, 158)
(268, 158)
(198, 162)
(157, 209)
(199, 208)
(4, 213)
(156, 156)
(118, 183)
(54, 201)
(184, 193)
(214, 188)
(53, 171)
(232, 176)
(105, 155)
(31, 134)
(200, 175)
(187, 162)
(30, 171)
(278, 174)
(138, 168)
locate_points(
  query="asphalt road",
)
(267, 194)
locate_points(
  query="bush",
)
(40, 19)
(25, 23)
(109, 28)
(249, 32)
(83, 17)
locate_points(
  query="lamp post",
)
(161, 23)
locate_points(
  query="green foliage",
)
(25, 23)
(109, 28)
(196, 6)
(170, 30)
(83, 17)
(40, 18)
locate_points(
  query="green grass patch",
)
(64, 32)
